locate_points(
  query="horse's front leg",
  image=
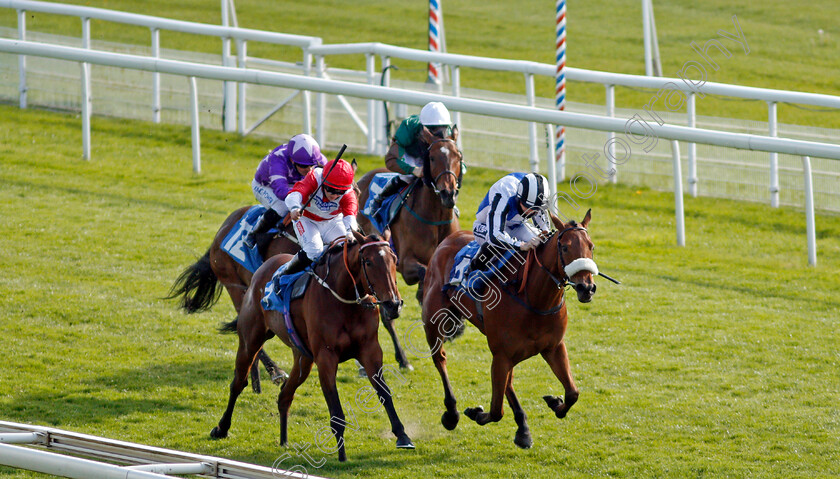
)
(372, 361)
(327, 362)
(523, 432)
(558, 359)
(500, 377)
(399, 353)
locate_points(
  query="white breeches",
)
(313, 235)
(265, 195)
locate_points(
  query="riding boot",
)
(390, 188)
(267, 221)
(483, 256)
(298, 263)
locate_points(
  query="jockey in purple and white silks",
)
(502, 218)
(277, 173)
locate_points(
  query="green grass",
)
(786, 50)
(716, 359)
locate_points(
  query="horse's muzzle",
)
(447, 198)
(585, 291)
(391, 309)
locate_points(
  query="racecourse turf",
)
(715, 359)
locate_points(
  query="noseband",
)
(427, 173)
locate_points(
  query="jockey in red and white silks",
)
(330, 214)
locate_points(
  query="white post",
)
(809, 211)
(196, 139)
(22, 59)
(534, 157)
(320, 104)
(678, 193)
(552, 166)
(307, 97)
(156, 77)
(692, 147)
(646, 28)
(456, 92)
(86, 94)
(229, 91)
(371, 105)
(611, 135)
(385, 81)
(241, 59)
(774, 157)
(656, 61)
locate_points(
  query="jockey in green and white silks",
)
(405, 156)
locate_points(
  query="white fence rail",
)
(632, 131)
(141, 461)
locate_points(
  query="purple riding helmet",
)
(304, 150)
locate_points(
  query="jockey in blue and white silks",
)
(503, 214)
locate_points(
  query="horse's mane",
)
(340, 246)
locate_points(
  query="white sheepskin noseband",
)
(581, 264)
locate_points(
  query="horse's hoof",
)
(404, 442)
(523, 440)
(362, 372)
(256, 387)
(473, 412)
(553, 401)
(279, 377)
(407, 367)
(217, 433)
(450, 419)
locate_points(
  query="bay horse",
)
(200, 284)
(518, 321)
(430, 216)
(331, 325)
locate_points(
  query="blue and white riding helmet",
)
(533, 191)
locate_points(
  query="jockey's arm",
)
(496, 222)
(395, 162)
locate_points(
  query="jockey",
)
(330, 214)
(277, 173)
(405, 156)
(501, 220)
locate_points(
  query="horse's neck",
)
(540, 287)
(428, 205)
(335, 273)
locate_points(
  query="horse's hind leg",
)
(399, 353)
(300, 371)
(278, 376)
(558, 359)
(372, 361)
(245, 357)
(523, 432)
(434, 337)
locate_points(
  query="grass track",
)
(718, 359)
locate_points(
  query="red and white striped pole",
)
(435, 34)
(560, 76)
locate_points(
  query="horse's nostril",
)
(594, 287)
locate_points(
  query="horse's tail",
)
(198, 286)
(227, 328)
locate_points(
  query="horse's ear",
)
(455, 132)
(427, 136)
(557, 222)
(586, 218)
(354, 165)
(360, 238)
(386, 235)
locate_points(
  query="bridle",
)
(427, 173)
(360, 300)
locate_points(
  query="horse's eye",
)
(368, 263)
(564, 248)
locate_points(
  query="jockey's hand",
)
(349, 236)
(295, 214)
(417, 171)
(531, 244)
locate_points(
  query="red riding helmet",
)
(339, 177)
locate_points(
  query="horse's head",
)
(574, 256)
(379, 271)
(442, 170)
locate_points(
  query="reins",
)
(360, 300)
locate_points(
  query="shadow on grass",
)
(151, 389)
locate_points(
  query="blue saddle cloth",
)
(390, 206)
(461, 277)
(278, 296)
(233, 243)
